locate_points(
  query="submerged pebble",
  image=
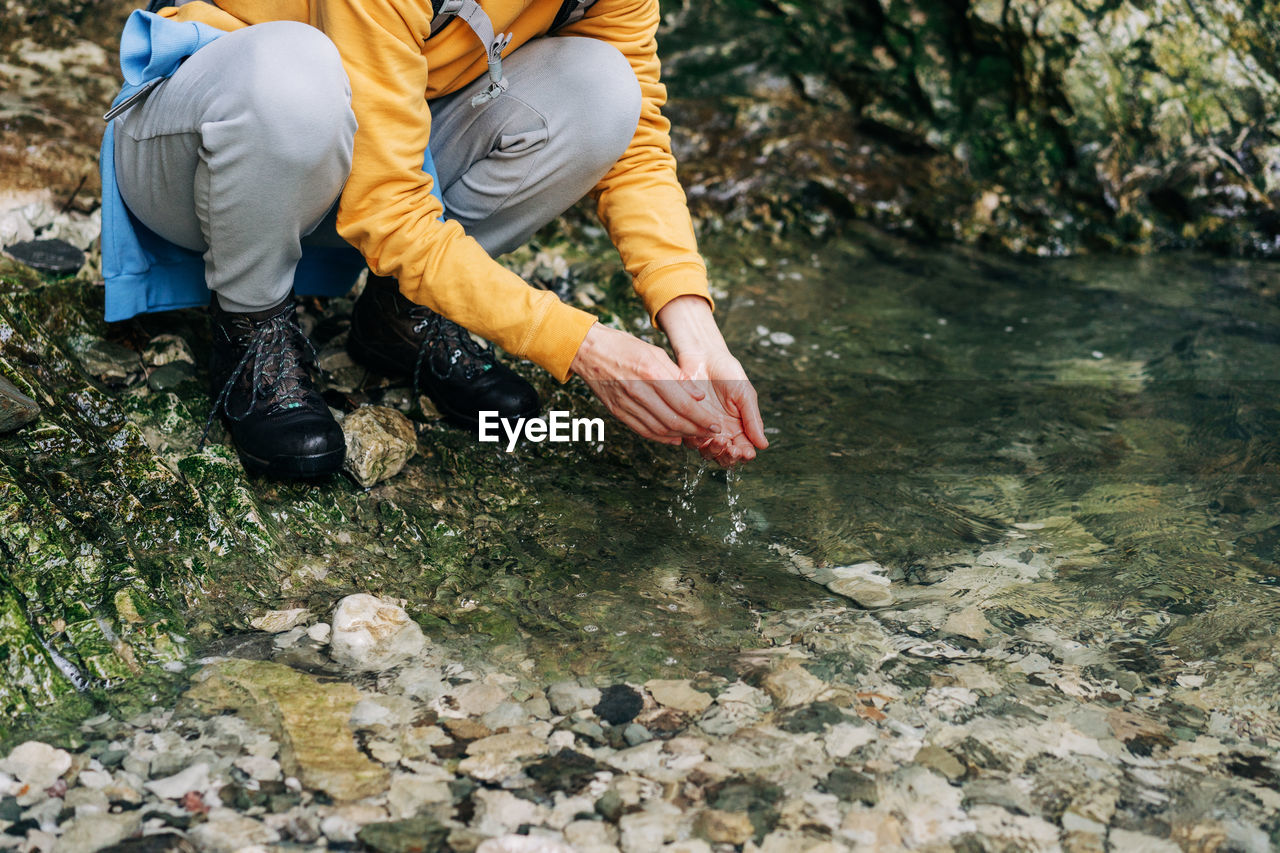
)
(279, 621)
(36, 765)
(566, 697)
(619, 704)
(679, 695)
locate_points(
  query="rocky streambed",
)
(944, 736)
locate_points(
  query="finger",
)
(717, 449)
(695, 387)
(699, 415)
(738, 450)
(650, 396)
(710, 448)
(634, 414)
(724, 460)
(748, 404)
(645, 397)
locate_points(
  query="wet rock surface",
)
(53, 256)
(16, 409)
(988, 123)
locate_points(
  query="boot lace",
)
(446, 348)
(276, 364)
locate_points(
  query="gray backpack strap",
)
(494, 43)
(439, 17)
(570, 12)
(444, 11)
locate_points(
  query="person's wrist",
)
(690, 327)
(586, 350)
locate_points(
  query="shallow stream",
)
(1009, 566)
(1119, 417)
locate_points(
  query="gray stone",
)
(88, 833)
(524, 844)
(506, 715)
(36, 764)
(502, 813)
(411, 792)
(379, 443)
(167, 349)
(865, 591)
(791, 685)
(938, 759)
(1137, 842)
(567, 697)
(55, 256)
(194, 779)
(679, 695)
(230, 833)
(86, 800)
(334, 357)
(636, 734)
(114, 364)
(405, 836)
(259, 767)
(538, 707)
(279, 621)
(643, 832)
(170, 376)
(476, 698)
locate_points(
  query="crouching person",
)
(262, 148)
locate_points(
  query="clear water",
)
(1117, 417)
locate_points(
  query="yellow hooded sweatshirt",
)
(387, 210)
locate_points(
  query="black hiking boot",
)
(395, 337)
(262, 387)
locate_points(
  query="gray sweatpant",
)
(242, 153)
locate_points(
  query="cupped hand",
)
(640, 384)
(727, 387)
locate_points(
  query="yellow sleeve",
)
(640, 201)
(204, 13)
(387, 210)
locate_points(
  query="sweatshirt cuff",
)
(658, 284)
(554, 338)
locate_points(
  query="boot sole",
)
(295, 467)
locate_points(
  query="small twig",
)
(75, 192)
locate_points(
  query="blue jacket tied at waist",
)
(143, 271)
